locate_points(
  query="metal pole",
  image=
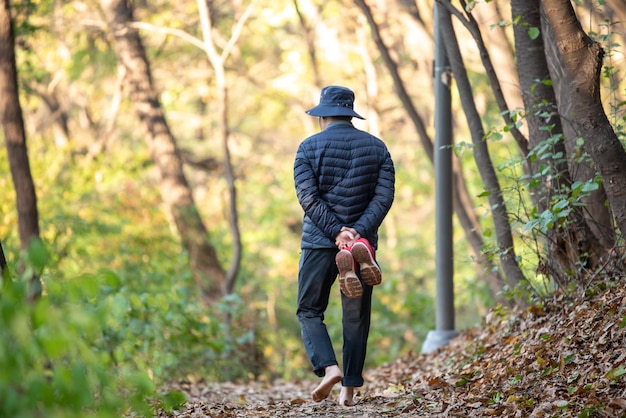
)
(444, 268)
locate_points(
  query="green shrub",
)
(49, 365)
(52, 361)
(155, 319)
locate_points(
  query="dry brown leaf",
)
(550, 361)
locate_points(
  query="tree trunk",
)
(217, 62)
(404, 97)
(473, 27)
(490, 16)
(566, 247)
(3, 263)
(613, 13)
(58, 115)
(15, 135)
(538, 97)
(597, 215)
(463, 206)
(309, 38)
(580, 60)
(175, 190)
(504, 237)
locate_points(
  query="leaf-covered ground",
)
(565, 359)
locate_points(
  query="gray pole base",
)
(436, 339)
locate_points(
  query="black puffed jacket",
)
(343, 177)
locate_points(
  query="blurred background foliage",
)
(118, 291)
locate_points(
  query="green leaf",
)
(111, 281)
(560, 205)
(616, 373)
(572, 379)
(172, 400)
(38, 255)
(590, 186)
(587, 412)
(534, 33)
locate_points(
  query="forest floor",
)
(566, 358)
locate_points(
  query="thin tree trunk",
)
(57, 114)
(472, 26)
(3, 263)
(175, 190)
(538, 96)
(490, 16)
(105, 133)
(580, 59)
(217, 61)
(391, 65)
(463, 206)
(309, 38)
(504, 237)
(615, 15)
(566, 246)
(371, 78)
(15, 135)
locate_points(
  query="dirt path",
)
(564, 359)
(284, 399)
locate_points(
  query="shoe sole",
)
(349, 282)
(370, 272)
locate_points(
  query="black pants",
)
(317, 273)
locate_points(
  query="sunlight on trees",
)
(116, 249)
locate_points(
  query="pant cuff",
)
(321, 371)
(352, 381)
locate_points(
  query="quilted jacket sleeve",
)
(308, 193)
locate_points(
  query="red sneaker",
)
(363, 254)
(349, 282)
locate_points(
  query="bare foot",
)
(333, 376)
(346, 397)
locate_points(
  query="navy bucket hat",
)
(335, 101)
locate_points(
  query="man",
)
(344, 180)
